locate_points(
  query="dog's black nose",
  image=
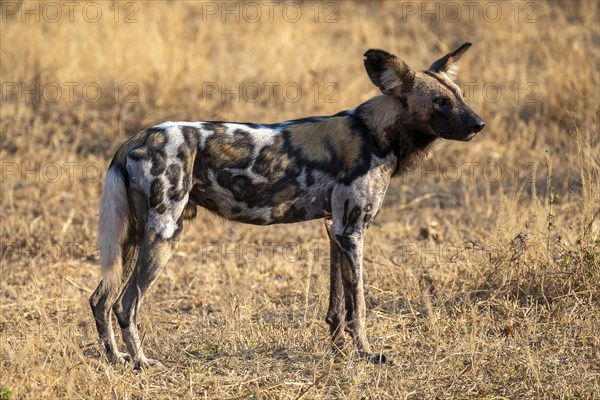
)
(478, 125)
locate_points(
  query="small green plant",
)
(193, 352)
(566, 260)
(5, 393)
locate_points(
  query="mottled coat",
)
(336, 167)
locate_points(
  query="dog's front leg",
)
(351, 250)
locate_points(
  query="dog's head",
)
(434, 103)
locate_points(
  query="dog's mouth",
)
(461, 137)
(469, 137)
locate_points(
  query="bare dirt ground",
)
(482, 270)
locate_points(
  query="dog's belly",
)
(238, 198)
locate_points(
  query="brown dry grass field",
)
(482, 270)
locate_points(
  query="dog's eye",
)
(441, 101)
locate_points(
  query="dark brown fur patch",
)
(237, 184)
(156, 192)
(161, 209)
(173, 174)
(280, 210)
(285, 195)
(174, 194)
(272, 161)
(229, 151)
(325, 140)
(132, 148)
(190, 135)
(216, 129)
(185, 157)
(139, 154)
(159, 162)
(156, 139)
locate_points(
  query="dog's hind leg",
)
(101, 302)
(154, 252)
(116, 257)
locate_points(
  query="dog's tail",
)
(113, 225)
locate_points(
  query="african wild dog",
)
(337, 168)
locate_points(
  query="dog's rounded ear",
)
(449, 63)
(390, 74)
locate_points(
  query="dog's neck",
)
(396, 131)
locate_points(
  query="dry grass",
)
(482, 270)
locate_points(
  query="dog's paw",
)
(147, 363)
(119, 358)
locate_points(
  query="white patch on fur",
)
(367, 189)
(174, 140)
(262, 138)
(452, 71)
(245, 127)
(196, 124)
(165, 224)
(166, 125)
(112, 227)
(448, 79)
